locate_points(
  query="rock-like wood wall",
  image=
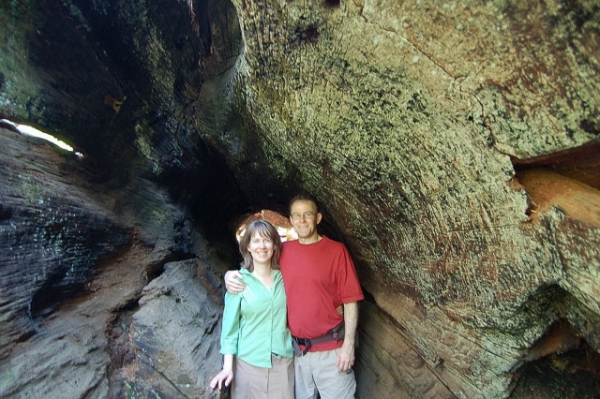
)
(407, 119)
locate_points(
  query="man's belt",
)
(335, 334)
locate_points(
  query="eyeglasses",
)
(306, 216)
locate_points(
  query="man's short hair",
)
(304, 196)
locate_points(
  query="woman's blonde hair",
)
(264, 229)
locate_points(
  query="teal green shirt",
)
(255, 322)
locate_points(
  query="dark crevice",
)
(331, 3)
(58, 287)
(565, 156)
(154, 270)
(70, 279)
(560, 337)
(5, 213)
(561, 360)
(368, 296)
(25, 336)
(581, 164)
(119, 348)
(130, 306)
(548, 179)
(209, 192)
(590, 127)
(560, 364)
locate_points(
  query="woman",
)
(254, 328)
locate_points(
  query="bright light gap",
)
(33, 132)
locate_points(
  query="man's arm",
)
(345, 359)
(232, 282)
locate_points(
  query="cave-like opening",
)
(580, 164)
(281, 223)
(561, 364)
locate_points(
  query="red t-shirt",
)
(318, 278)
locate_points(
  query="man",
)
(319, 276)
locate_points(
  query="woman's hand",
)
(223, 378)
(226, 375)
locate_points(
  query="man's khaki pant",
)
(317, 373)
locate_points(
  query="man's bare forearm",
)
(350, 322)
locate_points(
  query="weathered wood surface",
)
(75, 260)
(405, 118)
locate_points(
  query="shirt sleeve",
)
(348, 284)
(231, 324)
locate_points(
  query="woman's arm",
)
(225, 376)
(230, 328)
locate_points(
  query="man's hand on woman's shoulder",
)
(232, 282)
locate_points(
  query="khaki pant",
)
(251, 382)
(317, 373)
